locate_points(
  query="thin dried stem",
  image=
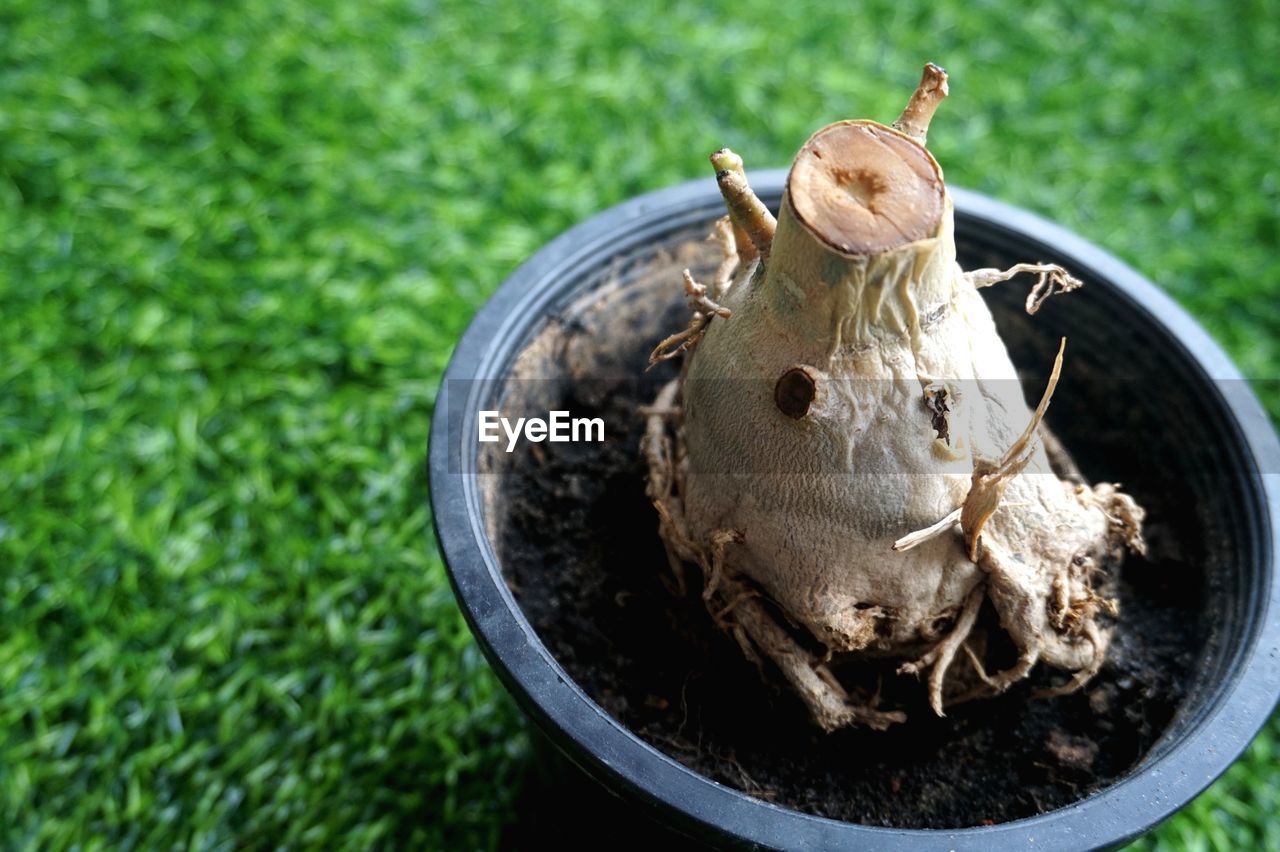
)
(722, 234)
(990, 480)
(915, 119)
(752, 222)
(919, 537)
(744, 250)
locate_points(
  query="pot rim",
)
(1166, 779)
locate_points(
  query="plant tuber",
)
(847, 456)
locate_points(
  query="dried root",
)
(941, 655)
(703, 311)
(1123, 513)
(1050, 280)
(705, 306)
(828, 702)
(1098, 642)
(1000, 681)
(657, 449)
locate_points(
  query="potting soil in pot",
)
(578, 544)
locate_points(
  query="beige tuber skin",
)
(847, 452)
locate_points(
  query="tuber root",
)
(847, 452)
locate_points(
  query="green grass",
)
(238, 241)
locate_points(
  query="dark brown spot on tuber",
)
(794, 392)
(935, 399)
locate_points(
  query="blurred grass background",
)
(238, 241)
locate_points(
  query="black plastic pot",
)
(1199, 417)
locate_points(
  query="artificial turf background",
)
(238, 241)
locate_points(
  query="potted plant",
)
(603, 637)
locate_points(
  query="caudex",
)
(847, 455)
